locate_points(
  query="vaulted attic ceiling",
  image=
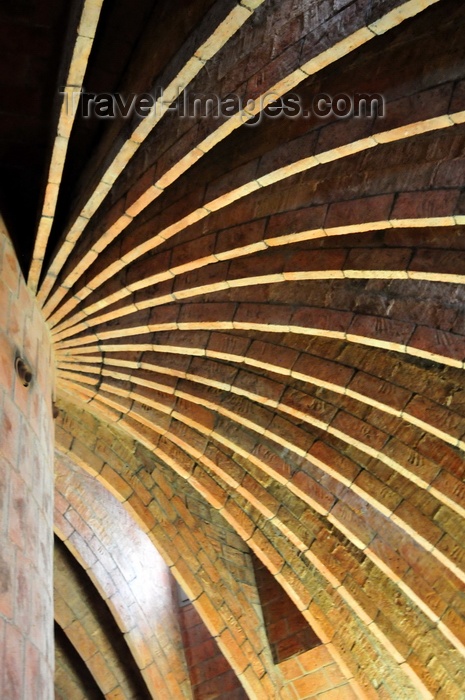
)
(258, 329)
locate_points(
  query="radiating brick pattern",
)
(275, 313)
(260, 344)
(26, 491)
(205, 555)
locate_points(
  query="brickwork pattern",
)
(276, 314)
(205, 555)
(314, 674)
(71, 680)
(26, 490)
(211, 676)
(260, 345)
(133, 580)
(86, 634)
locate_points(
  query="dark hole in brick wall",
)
(289, 633)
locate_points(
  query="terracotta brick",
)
(336, 322)
(440, 418)
(335, 386)
(12, 661)
(26, 489)
(311, 684)
(342, 692)
(353, 212)
(382, 331)
(266, 553)
(419, 204)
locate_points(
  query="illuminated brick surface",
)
(259, 346)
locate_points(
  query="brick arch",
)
(70, 680)
(128, 587)
(191, 561)
(279, 144)
(359, 28)
(372, 210)
(169, 360)
(361, 315)
(217, 29)
(293, 402)
(298, 264)
(376, 329)
(423, 105)
(274, 560)
(259, 337)
(82, 617)
(316, 413)
(193, 588)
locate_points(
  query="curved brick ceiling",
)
(276, 314)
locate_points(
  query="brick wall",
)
(314, 674)
(26, 487)
(212, 677)
(273, 320)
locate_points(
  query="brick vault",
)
(243, 317)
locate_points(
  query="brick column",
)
(26, 490)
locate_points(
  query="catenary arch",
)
(360, 27)
(207, 44)
(87, 626)
(71, 679)
(395, 209)
(181, 551)
(297, 595)
(310, 410)
(121, 580)
(403, 264)
(373, 386)
(321, 499)
(294, 403)
(259, 332)
(440, 422)
(246, 311)
(424, 100)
